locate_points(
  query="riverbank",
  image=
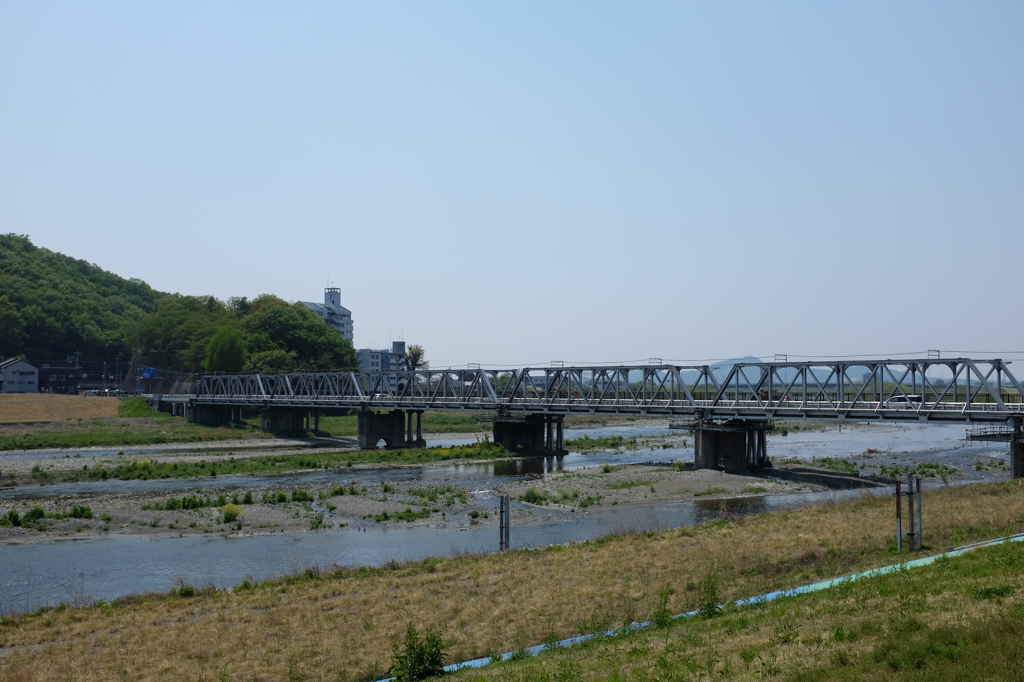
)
(338, 623)
(298, 486)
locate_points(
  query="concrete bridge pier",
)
(397, 428)
(418, 441)
(1017, 448)
(207, 415)
(285, 420)
(533, 434)
(736, 446)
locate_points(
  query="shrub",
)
(418, 659)
(80, 512)
(533, 496)
(231, 512)
(33, 515)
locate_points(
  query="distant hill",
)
(52, 306)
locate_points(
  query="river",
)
(108, 566)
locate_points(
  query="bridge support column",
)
(283, 420)
(534, 434)
(207, 415)
(373, 428)
(1017, 449)
(418, 441)
(736, 446)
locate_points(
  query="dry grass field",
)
(340, 624)
(39, 407)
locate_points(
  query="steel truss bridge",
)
(927, 390)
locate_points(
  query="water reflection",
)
(736, 505)
(529, 465)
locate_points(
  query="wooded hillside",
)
(52, 305)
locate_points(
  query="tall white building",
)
(333, 313)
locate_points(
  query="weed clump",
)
(416, 658)
(533, 496)
(231, 512)
(708, 605)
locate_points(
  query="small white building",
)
(17, 376)
(333, 313)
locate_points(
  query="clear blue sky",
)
(514, 183)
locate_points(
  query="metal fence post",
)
(899, 518)
(504, 519)
(910, 513)
(920, 518)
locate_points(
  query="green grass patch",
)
(433, 422)
(229, 465)
(156, 428)
(924, 470)
(625, 485)
(959, 619)
(710, 491)
(407, 515)
(135, 406)
(840, 465)
(446, 495)
(588, 444)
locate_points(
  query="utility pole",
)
(104, 376)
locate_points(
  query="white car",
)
(904, 402)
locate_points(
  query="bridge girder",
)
(899, 390)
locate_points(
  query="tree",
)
(175, 337)
(296, 332)
(225, 352)
(414, 358)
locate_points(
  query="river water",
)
(109, 566)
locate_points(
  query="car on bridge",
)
(904, 402)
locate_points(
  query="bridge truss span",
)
(931, 389)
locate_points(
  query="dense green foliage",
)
(265, 335)
(282, 338)
(225, 352)
(53, 305)
(416, 658)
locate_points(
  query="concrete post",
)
(419, 429)
(1017, 449)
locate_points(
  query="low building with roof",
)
(18, 376)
